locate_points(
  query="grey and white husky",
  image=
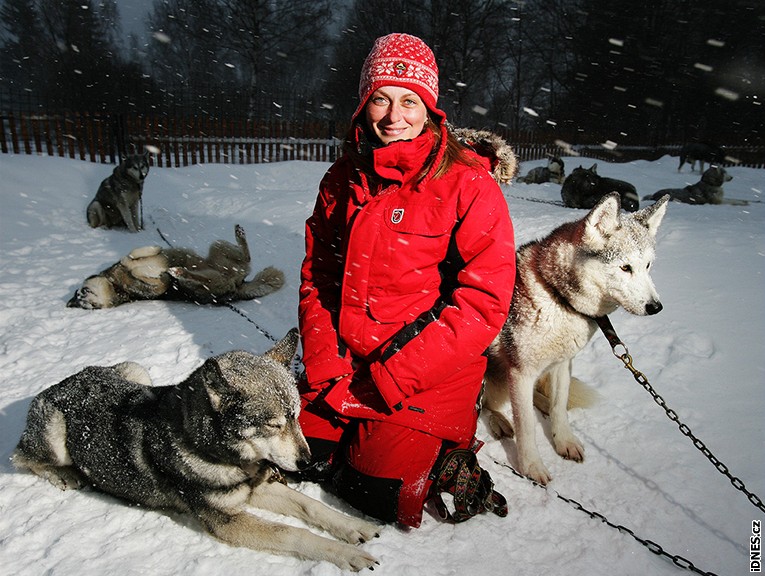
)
(151, 272)
(708, 190)
(553, 172)
(581, 271)
(118, 199)
(205, 447)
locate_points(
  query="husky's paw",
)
(349, 557)
(65, 478)
(500, 426)
(144, 252)
(537, 472)
(133, 372)
(570, 448)
(356, 531)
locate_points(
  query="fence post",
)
(119, 137)
(3, 143)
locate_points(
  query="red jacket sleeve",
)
(324, 355)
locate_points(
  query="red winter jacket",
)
(409, 284)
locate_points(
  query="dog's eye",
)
(626, 268)
(274, 425)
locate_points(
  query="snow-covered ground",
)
(703, 353)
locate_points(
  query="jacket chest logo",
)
(397, 215)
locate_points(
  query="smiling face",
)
(395, 113)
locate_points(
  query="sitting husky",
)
(151, 273)
(708, 190)
(553, 172)
(203, 447)
(584, 188)
(581, 271)
(117, 201)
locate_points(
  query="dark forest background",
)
(649, 73)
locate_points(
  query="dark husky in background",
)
(701, 151)
(584, 188)
(118, 199)
(151, 273)
(205, 447)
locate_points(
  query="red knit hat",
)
(400, 60)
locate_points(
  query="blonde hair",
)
(455, 150)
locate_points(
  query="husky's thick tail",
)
(580, 395)
(265, 282)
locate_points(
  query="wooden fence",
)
(181, 141)
(172, 141)
(175, 141)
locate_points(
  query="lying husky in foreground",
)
(203, 447)
(151, 273)
(582, 270)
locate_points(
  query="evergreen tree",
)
(21, 54)
(658, 70)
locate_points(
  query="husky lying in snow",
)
(203, 447)
(584, 188)
(553, 172)
(708, 190)
(580, 271)
(151, 273)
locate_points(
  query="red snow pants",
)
(381, 469)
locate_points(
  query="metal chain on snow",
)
(265, 333)
(553, 202)
(608, 330)
(676, 559)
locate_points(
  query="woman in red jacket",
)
(407, 279)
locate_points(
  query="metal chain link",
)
(539, 200)
(672, 415)
(657, 549)
(652, 546)
(604, 323)
(295, 362)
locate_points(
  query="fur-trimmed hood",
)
(504, 163)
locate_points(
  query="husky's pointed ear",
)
(284, 350)
(209, 381)
(651, 216)
(602, 221)
(215, 398)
